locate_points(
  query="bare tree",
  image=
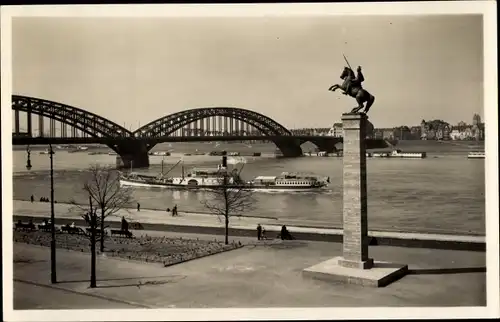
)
(103, 187)
(230, 198)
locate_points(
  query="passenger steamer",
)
(398, 154)
(212, 178)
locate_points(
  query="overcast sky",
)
(134, 70)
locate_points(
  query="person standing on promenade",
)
(32, 198)
(174, 211)
(259, 231)
(138, 207)
(124, 224)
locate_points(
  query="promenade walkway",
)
(259, 275)
(156, 218)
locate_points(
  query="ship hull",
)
(134, 183)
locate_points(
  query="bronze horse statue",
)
(352, 86)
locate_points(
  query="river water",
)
(442, 193)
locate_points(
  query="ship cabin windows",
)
(292, 182)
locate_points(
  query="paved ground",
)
(146, 216)
(29, 296)
(254, 276)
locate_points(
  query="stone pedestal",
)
(355, 266)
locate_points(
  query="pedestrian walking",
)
(32, 198)
(259, 231)
(174, 211)
(138, 207)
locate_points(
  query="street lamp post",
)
(53, 276)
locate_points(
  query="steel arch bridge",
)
(167, 125)
(133, 147)
(87, 122)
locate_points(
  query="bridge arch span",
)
(167, 125)
(326, 143)
(90, 123)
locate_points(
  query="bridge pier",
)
(326, 144)
(289, 147)
(133, 154)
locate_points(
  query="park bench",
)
(266, 237)
(25, 226)
(287, 236)
(123, 233)
(72, 230)
(98, 231)
(136, 226)
(44, 227)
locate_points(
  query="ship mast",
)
(171, 167)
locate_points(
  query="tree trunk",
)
(227, 229)
(93, 224)
(102, 230)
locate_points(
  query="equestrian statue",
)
(352, 86)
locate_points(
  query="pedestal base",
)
(380, 275)
(355, 264)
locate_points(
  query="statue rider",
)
(353, 85)
(354, 88)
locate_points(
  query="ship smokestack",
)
(224, 159)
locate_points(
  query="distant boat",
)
(476, 155)
(398, 154)
(78, 149)
(160, 153)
